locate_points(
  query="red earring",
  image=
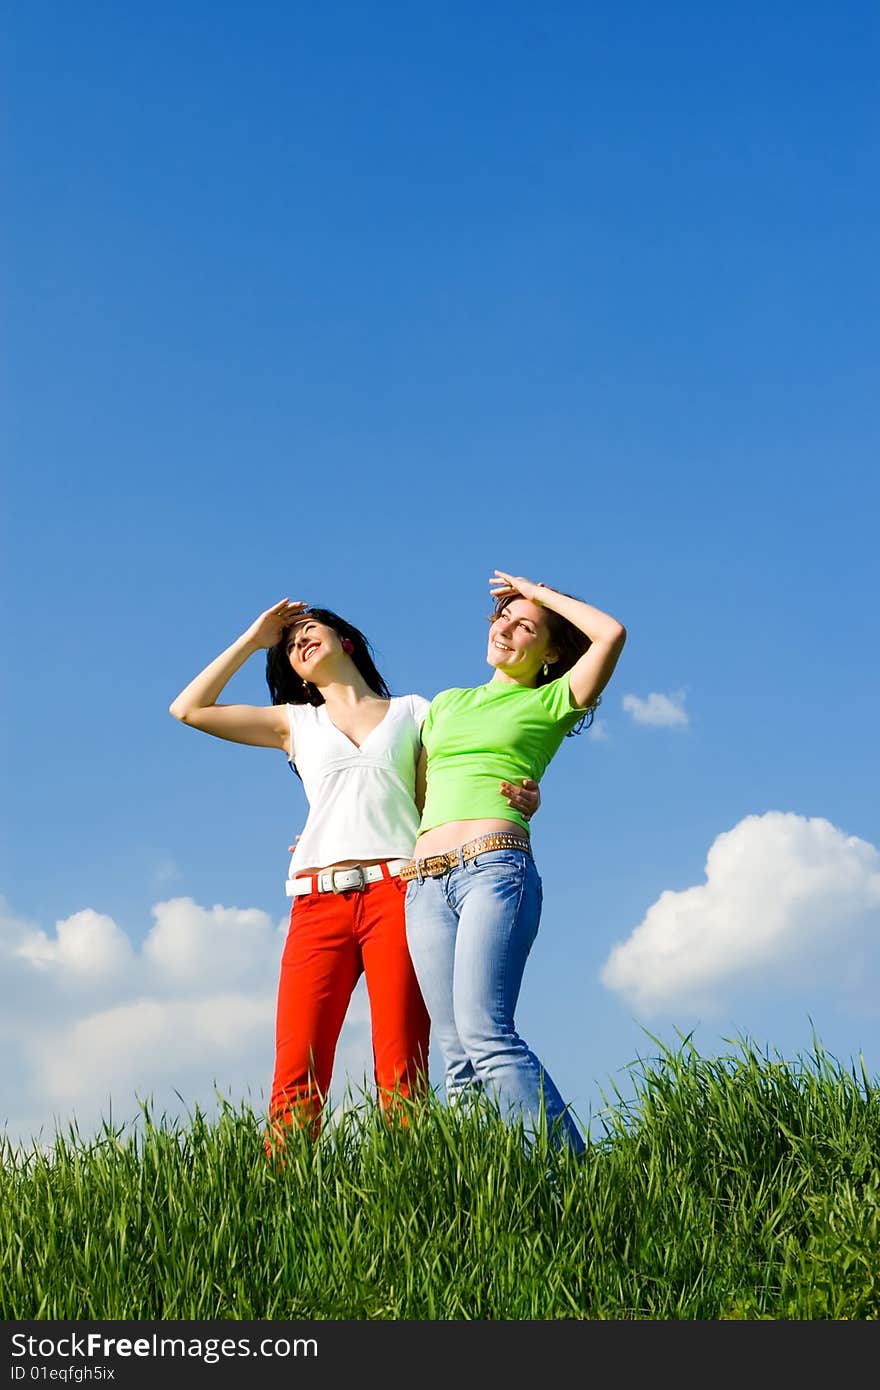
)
(347, 645)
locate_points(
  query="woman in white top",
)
(356, 749)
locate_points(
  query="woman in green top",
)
(473, 897)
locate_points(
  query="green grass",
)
(741, 1187)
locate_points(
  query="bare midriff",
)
(340, 864)
(441, 838)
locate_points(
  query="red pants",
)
(333, 938)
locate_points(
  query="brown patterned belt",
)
(437, 864)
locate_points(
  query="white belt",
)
(344, 880)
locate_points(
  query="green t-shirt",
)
(496, 732)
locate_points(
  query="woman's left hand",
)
(503, 585)
(525, 798)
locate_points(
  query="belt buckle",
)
(359, 884)
(436, 865)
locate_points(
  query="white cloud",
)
(789, 902)
(657, 710)
(135, 1047)
(87, 946)
(215, 944)
(90, 1024)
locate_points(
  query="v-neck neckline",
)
(350, 741)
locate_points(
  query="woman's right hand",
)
(506, 585)
(269, 627)
(265, 726)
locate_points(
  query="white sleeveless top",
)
(361, 800)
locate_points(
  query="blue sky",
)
(355, 305)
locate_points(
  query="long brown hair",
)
(570, 644)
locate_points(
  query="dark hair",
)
(287, 688)
(569, 642)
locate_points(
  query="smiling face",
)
(520, 642)
(309, 644)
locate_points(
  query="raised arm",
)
(264, 726)
(592, 671)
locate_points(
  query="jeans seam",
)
(522, 884)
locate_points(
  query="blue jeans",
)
(469, 934)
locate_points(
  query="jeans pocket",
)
(506, 861)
